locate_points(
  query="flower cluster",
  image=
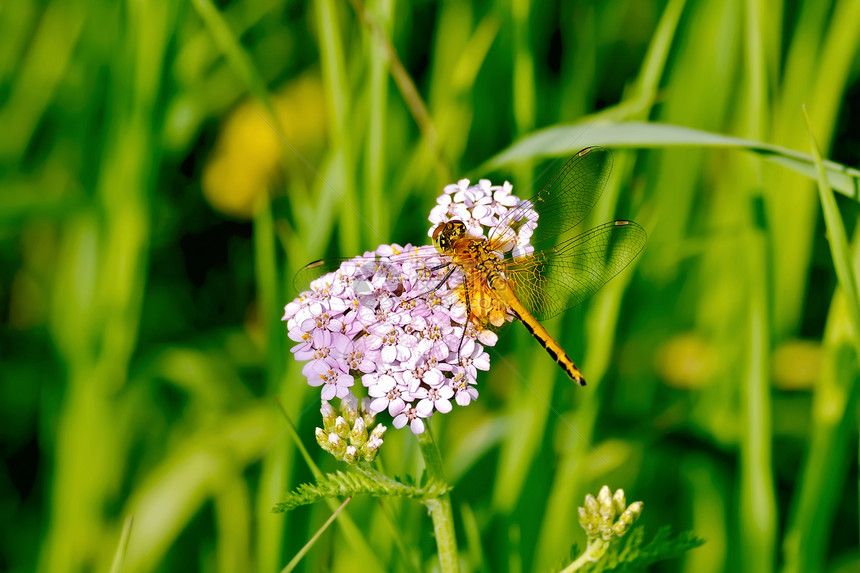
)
(346, 437)
(608, 516)
(392, 318)
(485, 206)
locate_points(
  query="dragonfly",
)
(497, 283)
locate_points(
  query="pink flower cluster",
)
(483, 206)
(385, 318)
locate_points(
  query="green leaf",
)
(630, 554)
(361, 482)
(561, 140)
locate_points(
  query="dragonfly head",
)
(445, 235)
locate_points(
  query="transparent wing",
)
(563, 202)
(561, 277)
(312, 271)
(422, 268)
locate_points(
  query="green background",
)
(153, 216)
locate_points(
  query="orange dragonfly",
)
(518, 271)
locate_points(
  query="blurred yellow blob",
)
(796, 364)
(248, 153)
(686, 361)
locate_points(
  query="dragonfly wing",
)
(555, 279)
(564, 201)
(312, 271)
(421, 266)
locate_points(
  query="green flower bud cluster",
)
(608, 517)
(352, 436)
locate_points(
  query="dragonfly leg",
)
(465, 324)
(441, 282)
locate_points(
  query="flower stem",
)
(593, 553)
(440, 507)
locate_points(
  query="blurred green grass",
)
(153, 218)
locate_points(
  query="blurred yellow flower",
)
(796, 364)
(686, 361)
(247, 155)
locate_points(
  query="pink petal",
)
(443, 406)
(417, 426)
(378, 405)
(329, 391)
(424, 408)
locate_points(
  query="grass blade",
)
(238, 57)
(295, 560)
(838, 239)
(556, 141)
(122, 546)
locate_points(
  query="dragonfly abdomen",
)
(543, 337)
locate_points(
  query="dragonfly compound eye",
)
(440, 237)
(446, 234)
(437, 231)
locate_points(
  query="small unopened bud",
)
(322, 438)
(587, 523)
(604, 498)
(346, 437)
(349, 408)
(350, 456)
(328, 416)
(378, 432)
(607, 516)
(619, 501)
(358, 435)
(336, 444)
(630, 515)
(341, 427)
(371, 448)
(635, 509)
(367, 413)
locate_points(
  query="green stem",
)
(303, 551)
(122, 547)
(595, 550)
(440, 507)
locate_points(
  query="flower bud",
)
(322, 438)
(607, 516)
(349, 408)
(588, 523)
(350, 456)
(604, 497)
(328, 415)
(635, 509)
(367, 413)
(336, 445)
(630, 515)
(619, 501)
(346, 437)
(358, 435)
(371, 448)
(583, 517)
(378, 432)
(341, 427)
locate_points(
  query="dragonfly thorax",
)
(470, 253)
